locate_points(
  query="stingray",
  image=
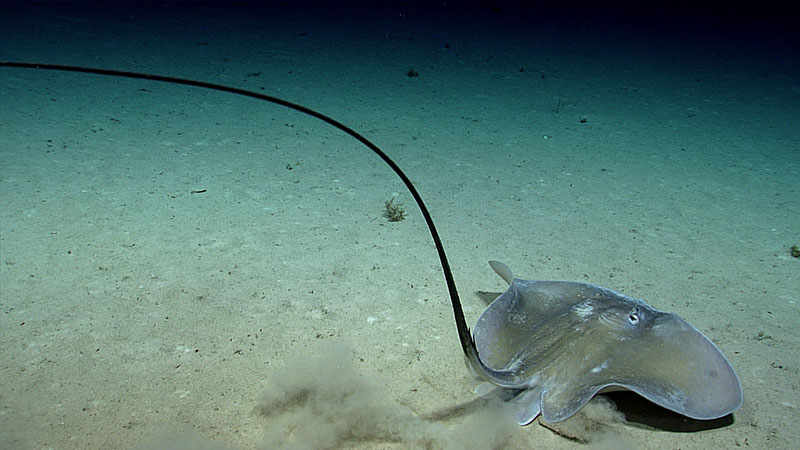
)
(552, 345)
(555, 344)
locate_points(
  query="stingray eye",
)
(633, 318)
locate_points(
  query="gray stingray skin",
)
(556, 344)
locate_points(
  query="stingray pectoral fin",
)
(687, 373)
(669, 363)
(562, 401)
(527, 405)
(502, 270)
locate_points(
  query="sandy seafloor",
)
(655, 153)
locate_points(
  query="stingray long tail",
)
(464, 335)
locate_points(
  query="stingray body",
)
(556, 344)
